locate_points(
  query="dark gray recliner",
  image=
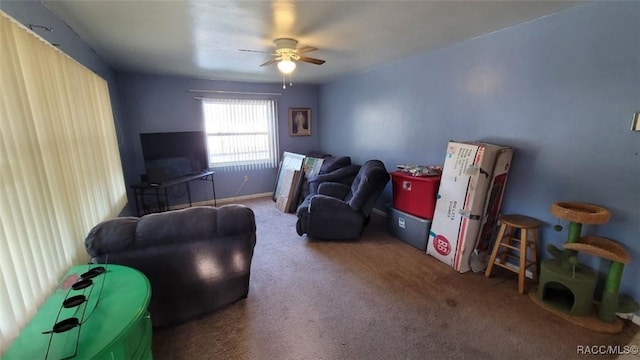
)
(333, 169)
(197, 259)
(343, 175)
(339, 211)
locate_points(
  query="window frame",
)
(271, 133)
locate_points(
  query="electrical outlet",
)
(246, 178)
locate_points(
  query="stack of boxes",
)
(453, 215)
(414, 201)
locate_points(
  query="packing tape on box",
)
(468, 215)
(474, 170)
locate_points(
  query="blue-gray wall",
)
(152, 103)
(561, 90)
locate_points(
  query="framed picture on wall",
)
(299, 121)
(635, 124)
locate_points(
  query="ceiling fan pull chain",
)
(284, 86)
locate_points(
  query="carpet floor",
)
(374, 298)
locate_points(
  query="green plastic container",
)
(114, 321)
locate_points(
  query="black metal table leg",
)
(213, 186)
(189, 193)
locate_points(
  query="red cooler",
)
(415, 195)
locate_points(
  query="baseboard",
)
(379, 212)
(234, 199)
(633, 317)
(223, 201)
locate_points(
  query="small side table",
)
(114, 321)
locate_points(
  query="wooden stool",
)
(528, 236)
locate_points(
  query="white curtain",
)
(242, 134)
(60, 170)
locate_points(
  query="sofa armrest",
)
(342, 175)
(235, 219)
(335, 190)
(110, 236)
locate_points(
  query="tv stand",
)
(161, 194)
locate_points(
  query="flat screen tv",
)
(171, 155)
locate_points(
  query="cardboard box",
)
(493, 200)
(415, 195)
(408, 228)
(462, 203)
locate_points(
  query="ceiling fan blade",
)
(306, 49)
(311, 60)
(255, 51)
(272, 61)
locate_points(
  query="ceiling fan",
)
(287, 52)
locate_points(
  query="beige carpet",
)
(376, 298)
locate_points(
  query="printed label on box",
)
(442, 245)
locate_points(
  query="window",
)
(241, 134)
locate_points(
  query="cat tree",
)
(566, 287)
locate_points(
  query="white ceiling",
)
(201, 38)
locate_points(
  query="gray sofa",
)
(197, 259)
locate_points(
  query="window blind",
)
(60, 169)
(241, 133)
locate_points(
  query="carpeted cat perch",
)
(566, 288)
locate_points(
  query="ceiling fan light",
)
(286, 66)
